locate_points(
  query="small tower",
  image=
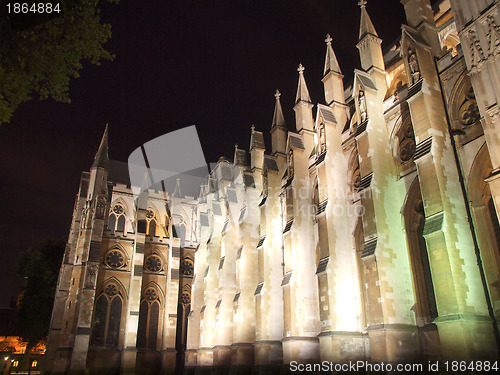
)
(332, 76)
(369, 44)
(303, 106)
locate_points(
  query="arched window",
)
(107, 317)
(116, 220)
(151, 223)
(149, 314)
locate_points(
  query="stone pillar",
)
(463, 323)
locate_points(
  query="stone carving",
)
(91, 276)
(322, 138)
(407, 143)
(413, 64)
(290, 163)
(468, 112)
(476, 50)
(101, 207)
(362, 105)
(493, 35)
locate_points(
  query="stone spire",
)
(369, 45)
(302, 91)
(278, 118)
(101, 157)
(331, 63)
(366, 26)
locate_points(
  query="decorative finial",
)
(300, 69)
(253, 127)
(236, 146)
(277, 94)
(328, 39)
(362, 4)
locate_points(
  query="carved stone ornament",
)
(407, 143)
(362, 105)
(356, 178)
(91, 276)
(493, 35)
(413, 64)
(101, 207)
(150, 214)
(476, 50)
(469, 112)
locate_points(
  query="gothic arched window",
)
(116, 220)
(107, 317)
(149, 314)
(151, 223)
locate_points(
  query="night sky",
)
(213, 64)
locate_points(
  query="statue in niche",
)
(322, 138)
(290, 163)
(413, 64)
(362, 105)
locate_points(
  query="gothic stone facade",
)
(369, 233)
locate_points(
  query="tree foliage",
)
(39, 266)
(40, 53)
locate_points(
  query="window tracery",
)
(116, 220)
(187, 267)
(153, 263)
(149, 316)
(115, 258)
(151, 223)
(107, 317)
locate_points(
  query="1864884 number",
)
(18, 8)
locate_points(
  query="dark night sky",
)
(214, 64)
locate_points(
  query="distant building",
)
(13, 356)
(370, 233)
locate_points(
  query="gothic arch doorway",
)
(425, 307)
(486, 223)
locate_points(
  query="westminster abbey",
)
(369, 233)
